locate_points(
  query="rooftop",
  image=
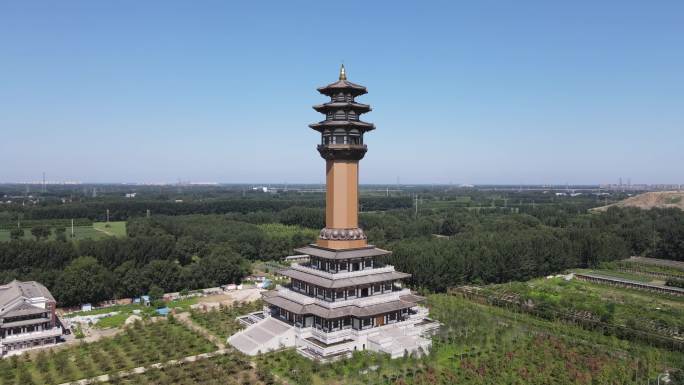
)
(369, 278)
(405, 301)
(16, 290)
(321, 252)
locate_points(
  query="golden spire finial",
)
(343, 73)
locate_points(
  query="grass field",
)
(644, 311)
(482, 344)
(98, 230)
(140, 345)
(114, 229)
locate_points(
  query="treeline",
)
(255, 236)
(93, 271)
(494, 247)
(172, 252)
(123, 209)
(495, 257)
(482, 245)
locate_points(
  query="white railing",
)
(54, 332)
(326, 351)
(331, 336)
(347, 274)
(361, 302)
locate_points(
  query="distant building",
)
(27, 317)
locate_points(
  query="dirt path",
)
(104, 231)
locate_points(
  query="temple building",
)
(27, 317)
(343, 298)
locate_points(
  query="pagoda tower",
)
(344, 298)
(342, 148)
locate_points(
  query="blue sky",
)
(463, 92)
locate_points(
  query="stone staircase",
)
(265, 335)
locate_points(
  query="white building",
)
(27, 317)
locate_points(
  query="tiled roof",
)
(343, 282)
(316, 251)
(17, 290)
(342, 105)
(353, 310)
(343, 85)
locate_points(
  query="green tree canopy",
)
(84, 280)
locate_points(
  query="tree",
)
(222, 266)
(156, 294)
(165, 274)
(131, 282)
(83, 280)
(186, 248)
(16, 234)
(41, 232)
(60, 234)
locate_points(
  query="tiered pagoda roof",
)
(356, 310)
(343, 84)
(342, 110)
(369, 277)
(322, 252)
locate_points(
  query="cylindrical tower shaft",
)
(342, 197)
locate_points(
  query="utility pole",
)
(654, 241)
(416, 213)
(72, 227)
